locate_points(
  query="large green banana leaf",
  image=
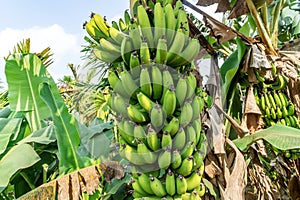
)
(279, 136)
(19, 157)
(24, 73)
(67, 132)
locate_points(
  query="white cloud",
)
(65, 47)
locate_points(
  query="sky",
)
(56, 24)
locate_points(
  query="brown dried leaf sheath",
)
(72, 185)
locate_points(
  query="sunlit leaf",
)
(19, 157)
(280, 136)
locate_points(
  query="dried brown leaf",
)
(63, 185)
(208, 2)
(220, 31)
(237, 180)
(223, 6)
(240, 8)
(71, 186)
(294, 187)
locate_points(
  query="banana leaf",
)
(67, 132)
(24, 73)
(19, 157)
(280, 136)
(43, 136)
(8, 128)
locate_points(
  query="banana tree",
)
(260, 74)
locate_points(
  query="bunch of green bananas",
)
(155, 98)
(274, 103)
(159, 127)
(145, 38)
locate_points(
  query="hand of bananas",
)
(155, 98)
(273, 102)
(159, 34)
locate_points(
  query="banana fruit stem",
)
(261, 27)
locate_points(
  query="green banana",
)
(284, 112)
(119, 105)
(176, 159)
(145, 82)
(186, 166)
(272, 101)
(135, 35)
(179, 139)
(278, 113)
(172, 127)
(115, 25)
(109, 46)
(287, 121)
(188, 53)
(145, 101)
(159, 22)
(138, 188)
(157, 116)
(164, 158)
(195, 195)
(131, 155)
(176, 47)
(182, 22)
(134, 61)
(148, 156)
(274, 69)
(166, 139)
(128, 83)
(177, 7)
(161, 51)
(292, 121)
(101, 24)
(144, 182)
(181, 89)
(126, 48)
(191, 135)
(136, 115)
(116, 35)
(122, 25)
(145, 25)
(273, 113)
(185, 196)
(198, 160)
(170, 183)
(107, 56)
(181, 184)
(291, 109)
(152, 139)
(157, 187)
(191, 85)
(277, 99)
(127, 17)
(279, 83)
(268, 103)
(139, 133)
(283, 99)
(169, 101)
(186, 114)
(201, 189)
(193, 180)
(92, 29)
(145, 53)
(126, 137)
(170, 23)
(167, 81)
(156, 82)
(197, 124)
(263, 102)
(188, 150)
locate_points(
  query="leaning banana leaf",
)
(19, 157)
(67, 132)
(43, 136)
(24, 73)
(279, 136)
